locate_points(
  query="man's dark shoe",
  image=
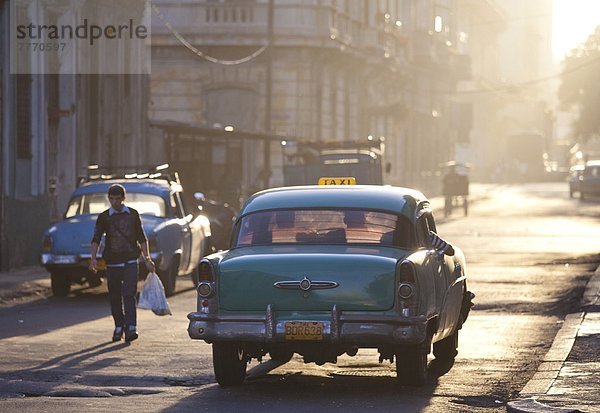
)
(131, 334)
(117, 334)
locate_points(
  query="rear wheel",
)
(169, 277)
(446, 349)
(60, 284)
(94, 280)
(411, 366)
(229, 362)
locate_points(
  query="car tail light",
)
(405, 291)
(407, 287)
(47, 243)
(407, 272)
(205, 289)
(205, 272)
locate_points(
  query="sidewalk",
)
(568, 380)
(23, 282)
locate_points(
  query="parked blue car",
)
(177, 239)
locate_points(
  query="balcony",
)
(244, 23)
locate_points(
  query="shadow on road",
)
(73, 360)
(51, 313)
(68, 365)
(301, 392)
(48, 313)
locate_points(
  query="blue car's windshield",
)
(324, 227)
(145, 204)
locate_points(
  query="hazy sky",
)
(574, 21)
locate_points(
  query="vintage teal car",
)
(326, 270)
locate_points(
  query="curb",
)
(532, 406)
(552, 363)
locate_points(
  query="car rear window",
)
(324, 226)
(145, 204)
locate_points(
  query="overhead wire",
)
(201, 54)
(511, 87)
(258, 52)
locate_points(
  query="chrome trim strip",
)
(459, 280)
(335, 323)
(269, 323)
(305, 285)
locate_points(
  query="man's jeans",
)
(122, 287)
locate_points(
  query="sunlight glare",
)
(573, 22)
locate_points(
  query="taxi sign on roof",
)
(348, 180)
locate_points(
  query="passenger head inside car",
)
(285, 219)
(354, 219)
(258, 225)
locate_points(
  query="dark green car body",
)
(320, 285)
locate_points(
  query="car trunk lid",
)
(353, 278)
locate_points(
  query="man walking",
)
(125, 240)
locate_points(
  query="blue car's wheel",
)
(169, 277)
(60, 284)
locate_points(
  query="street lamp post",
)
(268, 97)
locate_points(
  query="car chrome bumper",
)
(357, 329)
(81, 260)
(59, 259)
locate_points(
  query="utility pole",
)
(3, 52)
(268, 97)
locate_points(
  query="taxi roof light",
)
(341, 180)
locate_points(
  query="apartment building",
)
(308, 69)
(54, 123)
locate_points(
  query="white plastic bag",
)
(152, 296)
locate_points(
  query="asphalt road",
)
(530, 249)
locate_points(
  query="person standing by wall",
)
(125, 240)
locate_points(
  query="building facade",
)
(316, 70)
(510, 45)
(52, 127)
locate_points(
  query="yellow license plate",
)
(303, 330)
(337, 181)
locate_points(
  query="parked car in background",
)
(589, 183)
(574, 179)
(325, 270)
(177, 239)
(221, 216)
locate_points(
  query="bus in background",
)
(305, 162)
(525, 157)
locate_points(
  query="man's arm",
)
(439, 244)
(93, 261)
(146, 255)
(144, 247)
(96, 238)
